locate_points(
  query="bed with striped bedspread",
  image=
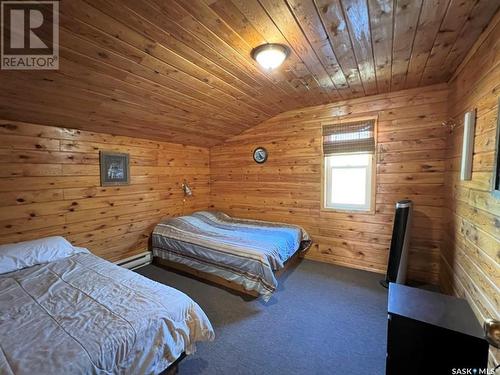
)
(246, 252)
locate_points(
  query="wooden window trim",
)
(373, 202)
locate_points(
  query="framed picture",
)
(496, 168)
(115, 168)
(468, 145)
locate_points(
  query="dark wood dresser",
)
(432, 333)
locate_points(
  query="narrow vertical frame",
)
(468, 145)
(495, 189)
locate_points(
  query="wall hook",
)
(450, 124)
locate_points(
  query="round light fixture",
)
(270, 55)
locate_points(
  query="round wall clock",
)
(260, 155)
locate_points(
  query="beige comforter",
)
(83, 315)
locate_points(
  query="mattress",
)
(84, 315)
(246, 252)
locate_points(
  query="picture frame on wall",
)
(115, 168)
(496, 165)
(468, 145)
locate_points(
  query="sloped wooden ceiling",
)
(181, 70)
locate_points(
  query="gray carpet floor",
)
(323, 319)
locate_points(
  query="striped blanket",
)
(246, 252)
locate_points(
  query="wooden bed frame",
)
(226, 284)
(174, 367)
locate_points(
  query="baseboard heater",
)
(136, 261)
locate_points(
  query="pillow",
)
(16, 256)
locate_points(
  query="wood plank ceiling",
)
(181, 70)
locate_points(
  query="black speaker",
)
(398, 254)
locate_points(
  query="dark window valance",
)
(348, 137)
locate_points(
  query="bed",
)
(66, 311)
(243, 254)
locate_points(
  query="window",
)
(348, 165)
(348, 181)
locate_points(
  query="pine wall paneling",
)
(471, 251)
(50, 185)
(410, 164)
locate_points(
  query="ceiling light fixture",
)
(270, 55)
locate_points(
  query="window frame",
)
(373, 186)
(368, 170)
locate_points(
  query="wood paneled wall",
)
(50, 185)
(410, 164)
(471, 251)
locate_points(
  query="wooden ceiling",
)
(181, 71)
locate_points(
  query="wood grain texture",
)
(410, 164)
(471, 252)
(181, 70)
(49, 185)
